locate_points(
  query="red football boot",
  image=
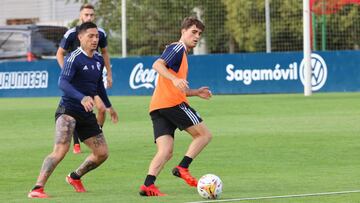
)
(150, 190)
(76, 149)
(78, 186)
(37, 193)
(185, 174)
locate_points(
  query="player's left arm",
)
(202, 92)
(104, 97)
(105, 54)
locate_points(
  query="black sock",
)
(185, 162)
(150, 179)
(37, 187)
(76, 137)
(75, 176)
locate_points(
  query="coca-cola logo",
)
(142, 77)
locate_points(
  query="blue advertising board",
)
(250, 73)
(29, 79)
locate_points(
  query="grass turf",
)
(263, 145)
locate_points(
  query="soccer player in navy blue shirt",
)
(80, 80)
(69, 43)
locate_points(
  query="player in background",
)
(169, 108)
(69, 43)
(80, 81)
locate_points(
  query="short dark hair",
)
(190, 21)
(83, 27)
(88, 6)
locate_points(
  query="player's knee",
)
(169, 155)
(102, 109)
(57, 156)
(103, 155)
(166, 154)
(207, 136)
(60, 151)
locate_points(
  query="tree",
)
(151, 25)
(245, 21)
(231, 25)
(343, 29)
(246, 24)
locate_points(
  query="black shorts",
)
(165, 121)
(86, 124)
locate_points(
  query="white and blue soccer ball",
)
(210, 186)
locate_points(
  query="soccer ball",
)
(209, 186)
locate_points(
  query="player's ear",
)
(80, 36)
(183, 31)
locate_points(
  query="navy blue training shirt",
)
(82, 76)
(71, 42)
(173, 55)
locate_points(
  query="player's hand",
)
(88, 103)
(204, 92)
(109, 80)
(113, 115)
(181, 84)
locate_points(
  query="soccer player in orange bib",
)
(169, 108)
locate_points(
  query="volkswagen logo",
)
(319, 72)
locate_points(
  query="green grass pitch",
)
(263, 145)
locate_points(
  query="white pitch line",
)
(277, 197)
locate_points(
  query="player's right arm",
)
(88, 103)
(60, 55)
(67, 74)
(171, 59)
(160, 67)
(65, 43)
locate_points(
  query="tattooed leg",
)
(87, 166)
(64, 128)
(46, 170)
(99, 154)
(98, 142)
